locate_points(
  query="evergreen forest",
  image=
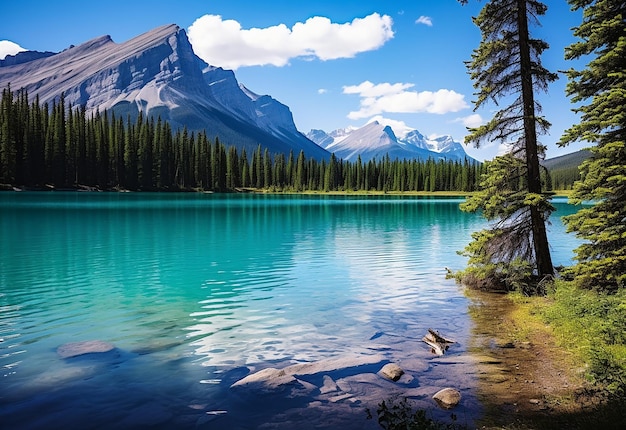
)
(63, 147)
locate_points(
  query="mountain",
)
(24, 57)
(375, 140)
(568, 161)
(157, 73)
(564, 169)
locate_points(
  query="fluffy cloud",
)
(395, 98)
(224, 43)
(426, 20)
(322, 91)
(471, 121)
(9, 48)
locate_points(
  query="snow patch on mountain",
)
(377, 139)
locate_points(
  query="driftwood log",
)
(438, 344)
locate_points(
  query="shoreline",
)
(526, 380)
(84, 188)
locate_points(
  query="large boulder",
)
(391, 371)
(447, 398)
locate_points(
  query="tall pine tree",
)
(507, 66)
(600, 88)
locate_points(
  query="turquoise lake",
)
(197, 291)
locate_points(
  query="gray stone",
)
(447, 398)
(269, 378)
(273, 378)
(391, 371)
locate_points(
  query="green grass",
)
(592, 326)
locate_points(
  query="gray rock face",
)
(447, 398)
(24, 57)
(157, 73)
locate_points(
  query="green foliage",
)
(564, 179)
(600, 91)
(500, 258)
(594, 327)
(507, 63)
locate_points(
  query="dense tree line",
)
(64, 147)
(564, 178)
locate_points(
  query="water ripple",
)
(208, 288)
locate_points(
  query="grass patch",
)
(589, 326)
(592, 326)
(579, 332)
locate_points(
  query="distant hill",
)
(564, 169)
(567, 161)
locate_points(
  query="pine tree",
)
(299, 177)
(267, 169)
(245, 169)
(58, 143)
(130, 156)
(600, 88)
(507, 65)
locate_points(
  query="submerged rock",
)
(391, 371)
(329, 386)
(74, 349)
(447, 398)
(272, 377)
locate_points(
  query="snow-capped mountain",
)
(375, 140)
(158, 74)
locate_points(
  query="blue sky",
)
(334, 63)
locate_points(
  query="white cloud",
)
(226, 44)
(322, 91)
(394, 98)
(9, 48)
(504, 148)
(471, 121)
(426, 20)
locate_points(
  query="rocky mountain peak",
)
(375, 140)
(157, 73)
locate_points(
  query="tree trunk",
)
(540, 238)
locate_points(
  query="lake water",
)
(196, 291)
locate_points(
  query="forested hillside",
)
(564, 169)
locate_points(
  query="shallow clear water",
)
(196, 291)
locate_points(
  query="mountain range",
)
(158, 74)
(376, 140)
